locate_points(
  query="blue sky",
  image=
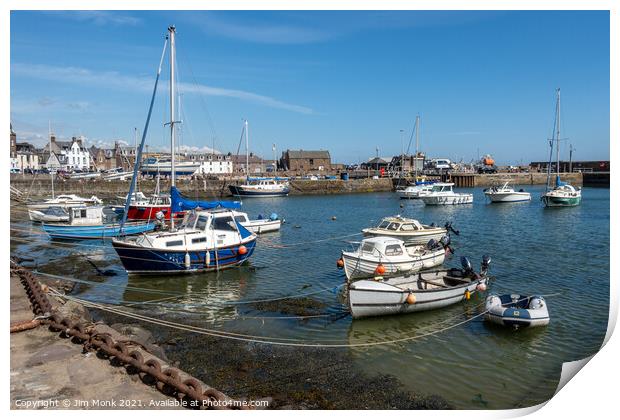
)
(482, 82)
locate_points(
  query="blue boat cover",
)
(559, 183)
(179, 203)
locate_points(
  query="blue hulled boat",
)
(206, 240)
(90, 223)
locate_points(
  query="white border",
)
(591, 393)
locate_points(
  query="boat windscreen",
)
(383, 225)
(225, 223)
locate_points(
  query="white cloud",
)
(116, 80)
(98, 17)
(195, 149)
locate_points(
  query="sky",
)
(351, 82)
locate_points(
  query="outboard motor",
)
(449, 228)
(160, 220)
(466, 264)
(484, 266)
(273, 216)
(445, 242)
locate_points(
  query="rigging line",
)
(201, 96)
(159, 291)
(288, 343)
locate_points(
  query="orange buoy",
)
(467, 294)
(410, 298)
(242, 250)
(340, 263)
(380, 269)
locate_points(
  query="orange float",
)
(242, 250)
(380, 269)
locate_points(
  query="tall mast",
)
(247, 151)
(402, 154)
(417, 144)
(172, 30)
(557, 137)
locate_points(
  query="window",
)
(201, 224)
(383, 225)
(392, 250)
(368, 247)
(199, 240)
(393, 226)
(408, 227)
(241, 219)
(311, 161)
(225, 223)
(174, 243)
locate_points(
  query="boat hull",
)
(443, 200)
(369, 298)
(555, 201)
(136, 212)
(140, 260)
(511, 197)
(95, 232)
(239, 190)
(262, 226)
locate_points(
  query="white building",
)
(212, 164)
(26, 158)
(70, 155)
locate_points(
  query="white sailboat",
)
(206, 240)
(563, 194)
(258, 187)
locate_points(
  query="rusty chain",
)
(168, 381)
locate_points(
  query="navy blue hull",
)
(236, 190)
(140, 260)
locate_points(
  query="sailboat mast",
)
(247, 151)
(417, 144)
(557, 137)
(172, 30)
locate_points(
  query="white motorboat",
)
(442, 194)
(563, 194)
(51, 214)
(259, 225)
(517, 311)
(385, 256)
(153, 166)
(506, 194)
(411, 231)
(64, 201)
(415, 191)
(416, 292)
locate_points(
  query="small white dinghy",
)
(417, 292)
(51, 214)
(259, 225)
(517, 310)
(385, 256)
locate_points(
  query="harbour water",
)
(562, 253)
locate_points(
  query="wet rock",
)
(304, 306)
(75, 312)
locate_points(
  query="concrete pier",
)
(486, 180)
(51, 372)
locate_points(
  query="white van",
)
(442, 164)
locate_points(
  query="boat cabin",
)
(86, 216)
(442, 187)
(382, 246)
(200, 230)
(398, 224)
